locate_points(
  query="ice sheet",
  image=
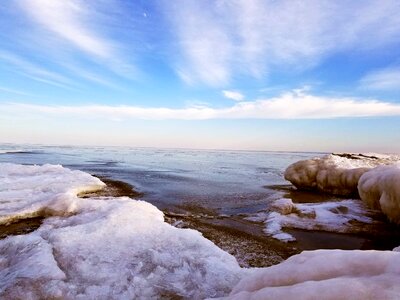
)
(101, 248)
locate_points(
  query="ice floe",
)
(101, 248)
(326, 274)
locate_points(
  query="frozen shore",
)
(374, 178)
(118, 248)
(100, 247)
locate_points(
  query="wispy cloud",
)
(76, 23)
(65, 18)
(13, 91)
(32, 70)
(234, 95)
(205, 43)
(220, 39)
(383, 79)
(292, 105)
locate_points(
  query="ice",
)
(326, 274)
(334, 216)
(380, 189)
(102, 248)
(337, 174)
(6, 151)
(29, 191)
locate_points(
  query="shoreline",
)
(243, 239)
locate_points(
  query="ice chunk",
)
(337, 174)
(380, 189)
(326, 274)
(29, 191)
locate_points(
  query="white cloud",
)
(384, 79)
(234, 95)
(292, 105)
(218, 39)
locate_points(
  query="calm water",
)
(225, 182)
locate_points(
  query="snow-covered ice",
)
(325, 274)
(334, 216)
(333, 173)
(29, 191)
(101, 248)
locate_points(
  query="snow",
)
(380, 189)
(101, 248)
(334, 216)
(29, 191)
(325, 274)
(333, 173)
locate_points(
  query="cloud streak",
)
(220, 39)
(77, 24)
(33, 71)
(384, 79)
(292, 105)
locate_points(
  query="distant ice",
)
(100, 248)
(325, 274)
(334, 216)
(5, 151)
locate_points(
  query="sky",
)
(239, 74)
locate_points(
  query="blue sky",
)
(240, 74)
